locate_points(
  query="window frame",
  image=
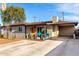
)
(20, 29)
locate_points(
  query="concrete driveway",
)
(69, 47)
(28, 48)
(59, 47)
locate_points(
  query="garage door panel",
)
(66, 30)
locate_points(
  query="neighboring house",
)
(55, 28)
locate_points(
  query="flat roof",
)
(42, 23)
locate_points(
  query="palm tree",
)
(13, 14)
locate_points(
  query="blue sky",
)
(45, 11)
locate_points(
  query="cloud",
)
(71, 18)
(69, 8)
(71, 11)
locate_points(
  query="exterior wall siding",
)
(17, 34)
(52, 33)
(5, 34)
(55, 32)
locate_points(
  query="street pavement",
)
(70, 47)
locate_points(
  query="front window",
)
(20, 29)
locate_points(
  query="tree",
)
(13, 14)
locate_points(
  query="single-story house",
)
(55, 28)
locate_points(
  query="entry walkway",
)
(28, 48)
